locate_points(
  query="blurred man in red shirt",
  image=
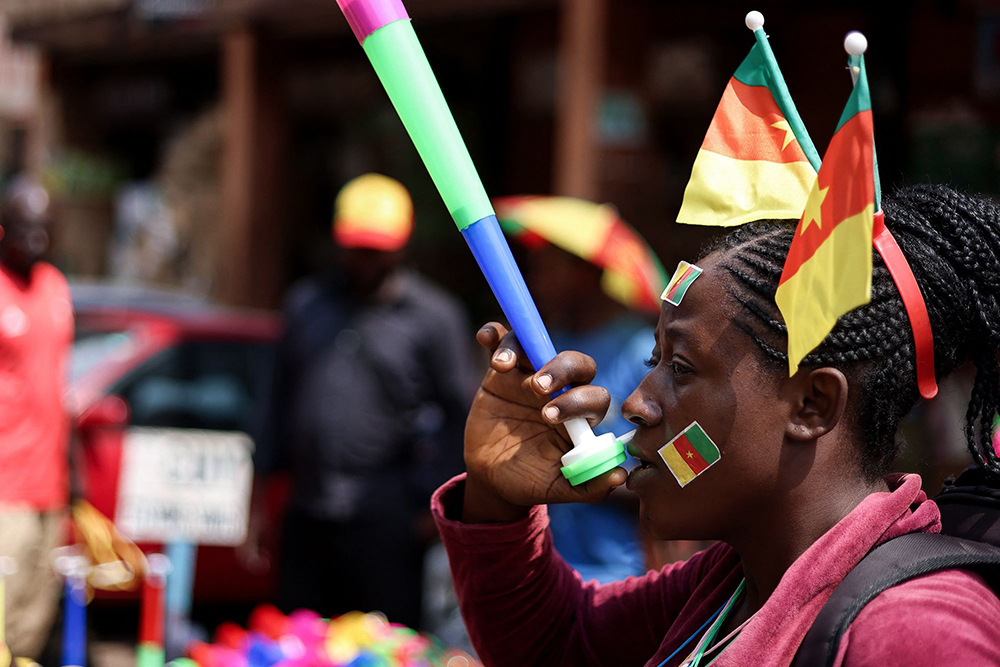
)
(36, 330)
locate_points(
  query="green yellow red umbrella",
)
(595, 232)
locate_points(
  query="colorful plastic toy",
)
(74, 568)
(304, 639)
(150, 652)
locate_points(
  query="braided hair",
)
(952, 243)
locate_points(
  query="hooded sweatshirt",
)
(523, 605)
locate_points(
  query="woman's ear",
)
(819, 405)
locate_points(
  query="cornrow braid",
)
(952, 242)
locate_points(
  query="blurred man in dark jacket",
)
(371, 391)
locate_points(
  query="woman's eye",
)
(651, 362)
(678, 369)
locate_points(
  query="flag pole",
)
(755, 22)
(892, 256)
(855, 43)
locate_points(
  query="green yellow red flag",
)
(828, 271)
(757, 160)
(678, 286)
(689, 454)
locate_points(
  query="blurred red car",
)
(158, 360)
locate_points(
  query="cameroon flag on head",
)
(757, 161)
(828, 271)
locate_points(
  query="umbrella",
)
(595, 232)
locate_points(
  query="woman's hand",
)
(513, 444)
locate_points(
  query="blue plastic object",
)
(74, 632)
(368, 659)
(489, 246)
(177, 597)
(263, 652)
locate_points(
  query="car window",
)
(199, 384)
(92, 348)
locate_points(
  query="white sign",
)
(185, 484)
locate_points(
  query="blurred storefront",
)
(19, 103)
(201, 142)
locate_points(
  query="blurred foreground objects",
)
(305, 639)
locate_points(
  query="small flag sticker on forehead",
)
(689, 454)
(679, 284)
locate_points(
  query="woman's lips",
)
(646, 469)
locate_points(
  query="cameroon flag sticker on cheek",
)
(678, 286)
(689, 454)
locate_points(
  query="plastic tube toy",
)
(383, 28)
(74, 632)
(150, 652)
(177, 595)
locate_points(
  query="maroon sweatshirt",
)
(523, 605)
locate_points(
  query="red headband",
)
(913, 301)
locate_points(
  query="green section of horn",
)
(406, 76)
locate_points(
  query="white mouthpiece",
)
(855, 43)
(755, 20)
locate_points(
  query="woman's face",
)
(706, 370)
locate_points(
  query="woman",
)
(801, 491)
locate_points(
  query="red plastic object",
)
(201, 653)
(151, 624)
(230, 635)
(913, 301)
(267, 620)
(109, 411)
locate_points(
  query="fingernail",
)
(544, 381)
(503, 356)
(551, 413)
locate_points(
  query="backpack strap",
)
(893, 562)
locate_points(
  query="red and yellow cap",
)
(373, 211)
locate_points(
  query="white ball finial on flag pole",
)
(755, 20)
(855, 43)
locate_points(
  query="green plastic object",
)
(179, 662)
(150, 655)
(406, 75)
(596, 464)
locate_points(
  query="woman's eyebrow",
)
(676, 333)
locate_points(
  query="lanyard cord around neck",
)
(714, 629)
(724, 643)
(719, 616)
(694, 634)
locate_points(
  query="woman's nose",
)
(640, 409)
